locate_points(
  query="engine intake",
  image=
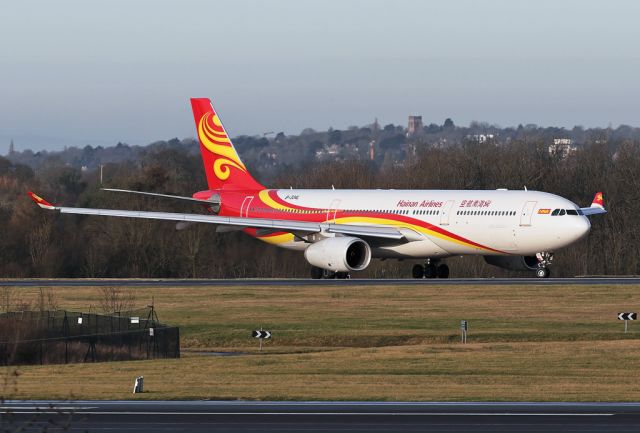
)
(513, 263)
(339, 254)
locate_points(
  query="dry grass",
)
(372, 343)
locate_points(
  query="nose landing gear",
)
(544, 260)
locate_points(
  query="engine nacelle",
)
(339, 254)
(513, 263)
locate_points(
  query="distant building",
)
(480, 138)
(562, 147)
(376, 126)
(415, 124)
(12, 148)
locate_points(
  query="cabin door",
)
(527, 213)
(444, 213)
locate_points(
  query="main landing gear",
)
(319, 273)
(544, 260)
(431, 269)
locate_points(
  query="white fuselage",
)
(450, 222)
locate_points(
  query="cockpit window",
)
(555, 212)
(572, 212)
(562, 212)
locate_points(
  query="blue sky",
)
(80, 72)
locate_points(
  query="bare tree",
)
(115, 300)
(47, 300)
(39, 242)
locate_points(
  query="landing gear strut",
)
(431, 269)
(544, 260)
(319, 273)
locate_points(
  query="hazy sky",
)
(89, 72)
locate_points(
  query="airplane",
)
(341, 231)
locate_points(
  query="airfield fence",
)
(62, 337)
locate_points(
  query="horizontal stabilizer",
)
(597, 206)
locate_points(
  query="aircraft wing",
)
(300, 228)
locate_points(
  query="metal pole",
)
(260, 338)
(625, 326)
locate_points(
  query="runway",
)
(310, 282)
(235, 416)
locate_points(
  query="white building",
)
(562, 147)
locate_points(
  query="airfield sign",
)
(262, 335)
(626, 317)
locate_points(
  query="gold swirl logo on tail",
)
(215, 139)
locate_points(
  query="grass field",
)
(369, 343)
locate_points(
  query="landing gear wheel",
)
(430, 271)
(342, 275)
(417, 271)
(443, 271)
(316, 273)
(543, 273)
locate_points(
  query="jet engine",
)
(339, 254)
(513, 263)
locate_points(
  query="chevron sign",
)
(627, 316)
(261, 334)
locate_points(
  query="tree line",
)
(36, 243)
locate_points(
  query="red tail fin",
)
(222, 164)
(598, 201)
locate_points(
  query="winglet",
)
(40, 201)
(598, 201)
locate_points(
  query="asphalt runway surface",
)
(310, 282)
(211, 416)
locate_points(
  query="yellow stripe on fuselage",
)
(394, 223)
(277, 239)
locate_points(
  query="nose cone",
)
(580, 227)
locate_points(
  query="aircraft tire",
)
(443, 271)
(543, 273)
(316, 273)
(430, 271)
(417, 271)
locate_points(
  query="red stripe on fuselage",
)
(320, 217)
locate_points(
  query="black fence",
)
(61, 337)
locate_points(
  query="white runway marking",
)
(485, 414)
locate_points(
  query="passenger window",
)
(555, 212)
